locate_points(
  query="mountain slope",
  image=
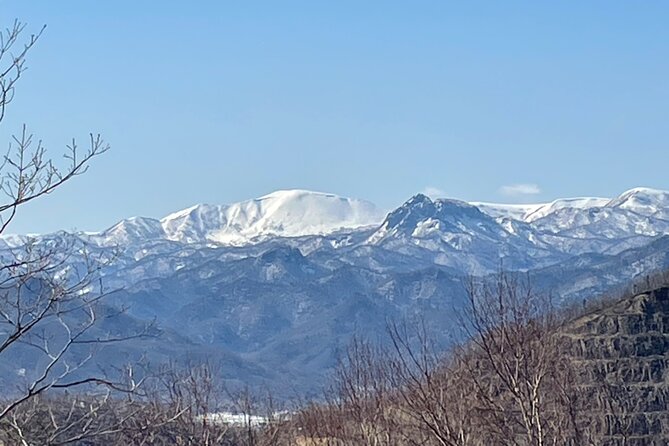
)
(289, 213)
(272, 287)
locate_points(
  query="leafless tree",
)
(402, 394)
(26, 171)
(12, 61)
(174, 407)
(50, 292)
(261, 421)
(362, 388)
(429, 388)
(524, 386)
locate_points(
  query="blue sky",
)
(219, 101)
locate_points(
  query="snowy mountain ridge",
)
(642, 200)
(472, 238)
(271, 287)
(442, 226)
(296, 213)
(285, 213)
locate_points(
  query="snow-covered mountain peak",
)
(642, 200)
(419, 200)
(320, 211)
(415, 209)
(423, 217)
(420, 207)
(133, 230)
(284, 213)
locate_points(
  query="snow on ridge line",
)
(183, 212)
(287, 213)
(286, 193)
(514, 211)
(278, 194)
(533, 211)
(297, 212)
(639, 199)
(564, 203)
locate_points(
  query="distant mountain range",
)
(271, 287)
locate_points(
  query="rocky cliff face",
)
(621, 358)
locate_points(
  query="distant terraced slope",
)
(621, 355)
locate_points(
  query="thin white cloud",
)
(433, 192)
(514, 190)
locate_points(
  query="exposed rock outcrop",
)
(621, 356)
